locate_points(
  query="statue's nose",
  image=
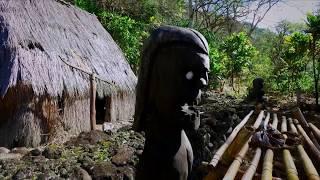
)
(203, 82)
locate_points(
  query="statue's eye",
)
(189, 75)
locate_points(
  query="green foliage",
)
(291, 65)
(128, 33)
(282, 61)
(216, 65)
(88, 5)
(237, 54)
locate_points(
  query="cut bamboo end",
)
(315, 131)
(275, 121)
(259, 120)
(248, 175)
(266, 120)
(267, 165)
(284, 124)
(293, 129)
(217, 156)
(297, 114)
(284, 128)
(234, 167)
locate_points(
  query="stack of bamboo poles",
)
(268, 159)
(226, 152)
(230, 149)
(308, 166)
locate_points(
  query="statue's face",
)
(179, 74)
(195, 75)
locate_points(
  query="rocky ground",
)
(94, 155)
(98, 155)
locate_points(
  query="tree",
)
(313, 23)
(295, 51)
(238, 51)
(229, 15)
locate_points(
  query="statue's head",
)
(173, 70)
(258, 83)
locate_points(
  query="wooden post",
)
(93, 88)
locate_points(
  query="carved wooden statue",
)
(173, 69)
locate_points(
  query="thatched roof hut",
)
(40, 41)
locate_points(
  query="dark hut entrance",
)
(103, 108)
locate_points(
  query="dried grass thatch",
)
(37, 34)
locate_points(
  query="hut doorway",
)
(103, 109)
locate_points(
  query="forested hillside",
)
(286, 58)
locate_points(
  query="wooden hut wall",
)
(31, 120)
(121, 106)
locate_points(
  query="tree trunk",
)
(315, 73)
(190, 12)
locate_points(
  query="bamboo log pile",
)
(255, 161)
(308, 166)
(232, 170)
(268, 163)
(309, 142)
(303, 122)
(217, 156)
(234, 167)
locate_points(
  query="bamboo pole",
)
(275, 121)
(240, 140)
(298, 115)
(292, 173)
(293, 129)
(308, 166)
(267, 165)
(259, 120)
(284, 125)
(266, 121)
(217, 156)
(309, 142)
(315, 131)
(291, 170)
(93, 88)
(248, 175)
(234, 167)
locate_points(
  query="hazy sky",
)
(291, 10)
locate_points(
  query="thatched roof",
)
(37, 36)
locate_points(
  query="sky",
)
(291, 10)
